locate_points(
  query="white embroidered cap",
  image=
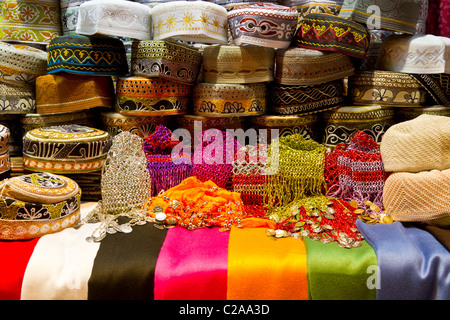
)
(419, 54)
(263, 24)
(115, 18)
(196, 21)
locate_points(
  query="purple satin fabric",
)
(413, 264)
(192, 265)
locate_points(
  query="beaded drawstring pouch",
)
(355, 172)
(125, 186)
(164, 171)
(295, 195)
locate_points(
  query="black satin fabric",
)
(124, 268)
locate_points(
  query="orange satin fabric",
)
(264, 268)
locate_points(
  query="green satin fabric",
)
(336, 273)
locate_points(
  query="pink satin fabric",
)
(192, 265)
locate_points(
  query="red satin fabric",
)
(14, 261)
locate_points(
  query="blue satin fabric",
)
(413, 265)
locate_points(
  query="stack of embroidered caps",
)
(371, 93)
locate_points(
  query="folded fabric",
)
(114, 18)
(330, 268)
(261, 268)
(412, 264)
(422, 196)
(195, 272)
(263, 24)
(196, 21)
(416, 145)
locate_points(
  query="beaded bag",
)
(164, 172)
(295, 199)
(213, 158)
(355, 171)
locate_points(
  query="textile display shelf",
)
(270, 150)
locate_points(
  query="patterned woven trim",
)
(62, 167)
(335, 134)
(196, 21)
(289, 100)
(437, 85)
(359, 114)
(22, 230)
(300, 66)
(332, 33)
(66, 133)
(36, 21)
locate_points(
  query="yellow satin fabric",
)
(265, 268)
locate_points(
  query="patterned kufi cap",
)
(417, 145)
(263, 24)
(114, 18)
(396, 15)
(237, 64)
(420, 54)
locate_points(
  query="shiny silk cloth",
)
(192, 265)
(264, 268)
(413, 264)
(336, 273)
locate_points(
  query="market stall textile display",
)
(66, 92)
(114, 18)
(30, 22)
(203, 266)
(69, 15)
(114, 123)
(405, 114)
